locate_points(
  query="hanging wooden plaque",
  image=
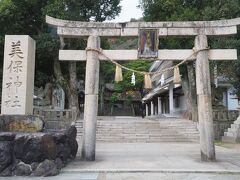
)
(148, 43)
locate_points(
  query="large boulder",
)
(6, 154)
(72, 134)
(49, 147)
(7, 171)
(67, 145)
(36, 154)
(74, 147)
(46, 168)
(63, 151)
(22, 169)
(59, 163)
(34, 165)
(59, 137)
(35, 147)
(7, 136)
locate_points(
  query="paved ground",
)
(160, 157)
(133, 176)
(164, 161)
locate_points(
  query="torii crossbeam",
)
(199, 29)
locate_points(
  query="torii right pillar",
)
(204, 100)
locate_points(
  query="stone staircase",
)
(233, 133)
(135, 129)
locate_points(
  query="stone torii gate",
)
(95, 30)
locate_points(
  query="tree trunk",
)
(59, 77)
(69, 87)
(58, 72)
(73, 94)
(102, 88)
(111, 110)
(185, 87)
(192, 91)
(101, 93)
(133, 110)
(189, 88)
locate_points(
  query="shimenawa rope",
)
(118, 75)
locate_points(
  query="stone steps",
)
(130, 130)
(232, 134)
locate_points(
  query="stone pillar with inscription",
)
(18, 75)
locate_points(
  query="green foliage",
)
(28, 17)
(21, 17)
(107, 71)
(83, 10)
(1, 50)
(190, 10)
(115, 96)
(126, 85)
(236, 81)
(165, 10)
(106, 68)
(124, 43)
(128, 100)
(46, 50)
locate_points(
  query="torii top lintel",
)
(76, 29)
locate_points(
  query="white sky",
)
(129, 10)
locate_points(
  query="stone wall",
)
(55, 119)
(222, 120)
(36, 154)
(62, 119)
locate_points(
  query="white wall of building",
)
(232, 100)
(225, 100)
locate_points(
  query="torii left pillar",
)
(91, 100)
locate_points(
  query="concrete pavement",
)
(133, 176)
(149, 161)
(156, 157)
